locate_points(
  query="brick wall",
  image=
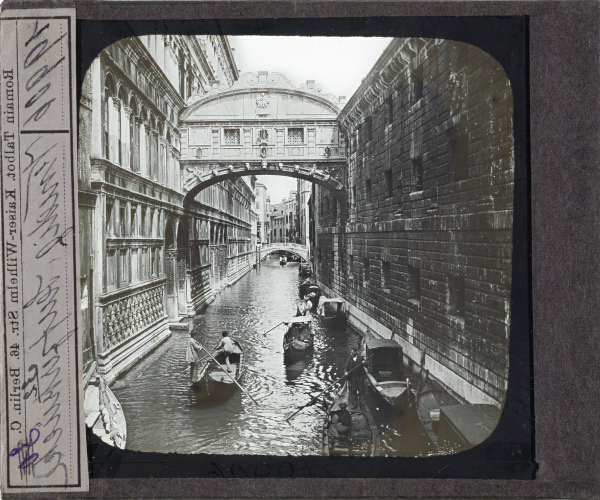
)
(426, 250)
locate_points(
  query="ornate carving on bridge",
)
(262, 101)
(330, 174)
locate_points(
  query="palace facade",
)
(146, 260)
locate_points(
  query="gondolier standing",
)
(192, 354)
(225, 346)
(356, 379)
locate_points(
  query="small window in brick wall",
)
(414, 284)
(366, 270)
(354, 200)
(369, 128)
(417, 173)
(385, 275)
(389, 110)
(368, 189)
(335, 206)
(389, 183)
(456, 296)
(460, 155)
(416, 78)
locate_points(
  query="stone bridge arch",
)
(196, 179)
(301, 251)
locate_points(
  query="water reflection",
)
(164, 415)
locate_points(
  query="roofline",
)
(272, 90)
(229, 54)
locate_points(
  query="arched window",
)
(109, 91)
(133, 137)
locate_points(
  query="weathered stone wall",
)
(425, 254)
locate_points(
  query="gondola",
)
(304, 270)
(212, 380)
(430, 398)
(104, 414)
(333, 312)
(362, 439)
(385, 375)
(309, 290)
(282, 260)
(299, 337)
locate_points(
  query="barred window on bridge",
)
(295, 135)
(232, 136)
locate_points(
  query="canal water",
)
(164, 415)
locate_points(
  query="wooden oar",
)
(186, 369)
(231, 377)
(274, 327)
(325, 390)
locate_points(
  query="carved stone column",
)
(125, 137)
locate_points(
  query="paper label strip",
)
(43, 433)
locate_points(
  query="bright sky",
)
(338, 63)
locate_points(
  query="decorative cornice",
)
(401, 54)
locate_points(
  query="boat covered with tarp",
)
(333, 312)
(305, 270)
(385, 374)
(299, 337)
(309, 290)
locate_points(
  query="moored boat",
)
(299, 337)
(430, 399)
(333, 312)
(212, 379)
(353, 434)
(309, 290)
(385, 374)
(305, 270)
(103, 412)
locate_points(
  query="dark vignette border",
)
(509, 452)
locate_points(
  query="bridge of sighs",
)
(261, 125)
